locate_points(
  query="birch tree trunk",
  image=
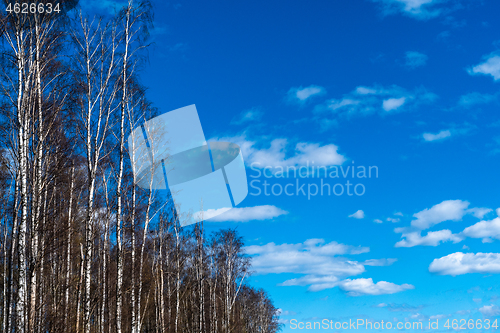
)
(68, 247)
(119, 255)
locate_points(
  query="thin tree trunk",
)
(68, 248)
(23, 168)
(80, 287)
(119, 258)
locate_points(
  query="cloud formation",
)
(448, 210)
(415, 59)
(459, 263)
(358, 214)
(310, 257)
(317, 261)
(246, 116)
(485, 230)
(490, 310)
(301, 95)
(361, 287)
(436, 137)
(379, 262)
(244, 214)
(418, 9)
(433, 238)
(490, 66)
(279, 154)
(369, 100)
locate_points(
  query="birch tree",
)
(96, 44)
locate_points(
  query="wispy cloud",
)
(301, 95)
(369, 100)
(453, 131)
(358, 214)
(361, 287)
(415, 59)
(433, 238)
(249, 115)
(459, 263)
(484, 229)
(436, 137)
(244, 214)
(393, 103)
(310, 257)
(317, 261)
(286, 312)
(473, 99)
(418, 9)
(380, 262)
(490, 310)
(490, 66)
(448, 210)
(279, 153)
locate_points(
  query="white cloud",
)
(244, 214)
(368, 100)
(378, 221)
(393, 103)
(279, 153)
(379, 262)
(479, 212)
(310, 257)
(315, 282)
(484, 229)
(398, 214)
(419, 9)
(393, 220)
(360, 287)
(433, 238)
(438, 136)
(252, 114)
(393, 307)
(286, 312)
(439, 316)
(358, 215)
(491, 66)
(415, 59)
(448, 210)
(444, 134)
(366, 91)
(300, 95)
(490, 310)
(459, 263)
(317, 261)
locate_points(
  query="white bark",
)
(68, 247)
(97, 50)
(119, 282)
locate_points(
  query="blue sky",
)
(408, 86)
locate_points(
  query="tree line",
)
(82, 248)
